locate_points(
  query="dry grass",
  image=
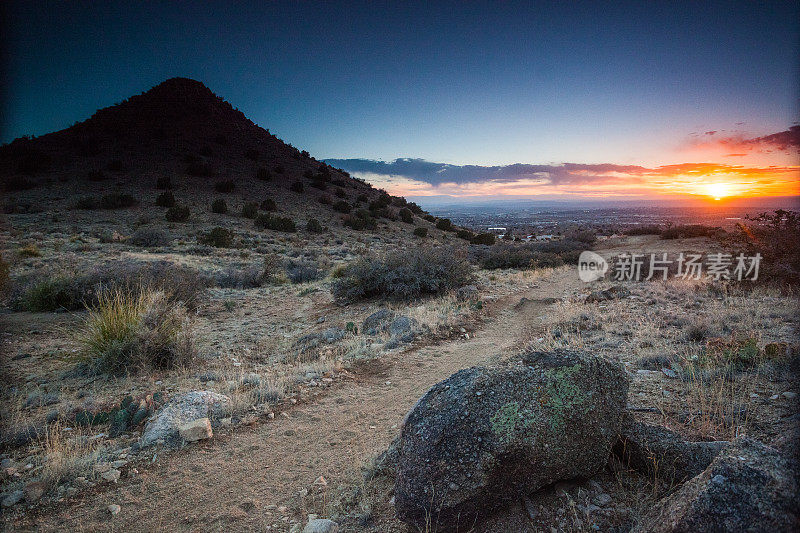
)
(66, 458)
(711, 336)
(128, 331)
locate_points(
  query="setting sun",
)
(718, 190)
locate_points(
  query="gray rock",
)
(321, 525)
(13, 499)
(377, 322)
(312, 340)
(613, 293)
(403, 327)
(748, 487)
(663, 454)
(500, 433)
(467, 293)
(180, 410)
(111, 475)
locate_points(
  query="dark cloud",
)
(782, 140)
(439, 173)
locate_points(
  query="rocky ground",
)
(305, 393)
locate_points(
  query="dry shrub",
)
(71, 289)
(128, 331)
(403, 275)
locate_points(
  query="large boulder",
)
(179, 411)
(748, 487)
(485, 436)
(663, 454)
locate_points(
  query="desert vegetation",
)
(403, 275)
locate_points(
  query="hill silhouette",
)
(181, 131)
(170, 127)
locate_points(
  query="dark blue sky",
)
(462, 83)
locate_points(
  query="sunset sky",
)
(466, 99)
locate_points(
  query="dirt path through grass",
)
(238, 481)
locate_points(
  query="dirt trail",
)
(229, 482)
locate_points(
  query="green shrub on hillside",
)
(265, 221)
(218, 237)
(361, 219)
(250, 210)
(342, 207)
(313, 226)
(165, 199)
(178, 213)
(484, 238)
(219, 206)
(225, 186)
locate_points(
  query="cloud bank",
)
(410, 176)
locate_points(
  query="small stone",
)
(13, 499)
(773, 397)
(114, 509)
(321, 481)
(111, 475)
(669, 373)
(195, 430)
(530, 508)
(118, 464)
(602, 499)
(34, 491)
(321, 525)
(789, 395)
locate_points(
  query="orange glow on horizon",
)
(710, 181)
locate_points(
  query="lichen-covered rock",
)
(377, 322)
(748, 487)
(663, 454)
(180, 410)
(485, 436)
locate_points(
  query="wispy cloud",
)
(782, 141)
